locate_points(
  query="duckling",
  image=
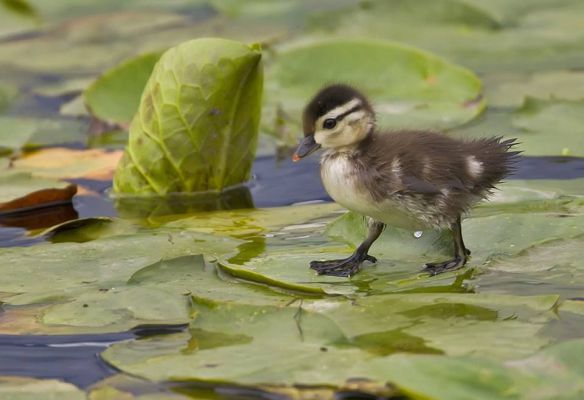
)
(410, 179)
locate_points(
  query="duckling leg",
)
(461, 253)
(350, 266)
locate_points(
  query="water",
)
(72, 358)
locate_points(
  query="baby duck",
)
(410, 179)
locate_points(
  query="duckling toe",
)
(445, 266)
(344, 268)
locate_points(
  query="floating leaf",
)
(510, 90)
(512, 36)
(22, 191)
(285, 350)
(196, 128)
(18, 132)
(86, 229)
(7, 93)
(68, 163)
(556, 127)
(21, 388)
(409, 88)
(552, 373)
(115, 96)
(300, 345)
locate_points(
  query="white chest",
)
(341, 181)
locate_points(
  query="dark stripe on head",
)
(352, 110)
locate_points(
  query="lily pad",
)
(555, 125)
(22, 191)
(98, 262)
(21, 388)
(554, 372)
(115, 96)
(67, 163)
(7, 93)
(263, 360)
(303, 345)
(409, 87)
(511, 90)
(522, 37)
(22, 132)
(400, 254)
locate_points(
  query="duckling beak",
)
(307, 146)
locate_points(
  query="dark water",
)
(75, 358)
(72, 358)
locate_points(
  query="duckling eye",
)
(329, 123)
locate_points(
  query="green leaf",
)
(15, 132)
(196, 128)
(521, 36)
(314, 343)
(506, 90)
(104, 262)
(408, 87)
(284, 349)
(7, 94)
(557, 126)
(21, 132)
(21, 388)
(115, 96)
(553, 373)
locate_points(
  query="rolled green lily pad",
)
(552, 127)
(197, 125)
(115, 96)
(409, 88)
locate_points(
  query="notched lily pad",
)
(24, 388)
(115, 96)
(552, 127)
(66, 163)
(410, 88)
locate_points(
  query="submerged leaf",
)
(196, 128)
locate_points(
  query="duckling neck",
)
(353, 149)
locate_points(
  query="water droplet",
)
(418, 234)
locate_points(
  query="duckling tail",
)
(494, 159)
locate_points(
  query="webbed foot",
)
(346, 267)
(445, 266)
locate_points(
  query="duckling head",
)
(338, 117)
